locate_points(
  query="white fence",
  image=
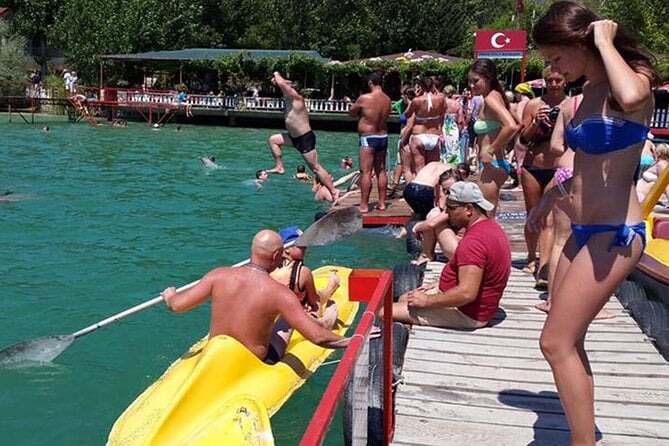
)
(138, 98)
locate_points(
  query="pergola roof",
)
(416, 56)
(191, 54)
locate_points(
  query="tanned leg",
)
(366, 161)
(276, 142)
(311, 158)
(381, 178)
(532, 194)
(594, 273)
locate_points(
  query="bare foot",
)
(335, 197)
(278, 170)
(329, 317)
(380, 207)
(604, 314)
(543, 306)
(363, 210)
(530, 268)
(422, 258)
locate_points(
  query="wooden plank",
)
(512, 332)
(511, 364)
(548, 421)
(645, 356)
(609, 344)
(546, 402)
(451, 369)
(544, 420)
(418, 431)
(477, 384)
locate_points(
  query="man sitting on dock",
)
(472, 282)
(246, 301)
(299, 135)
(372, 110)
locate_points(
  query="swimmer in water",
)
(209, 161)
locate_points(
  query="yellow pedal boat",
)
(221, 393)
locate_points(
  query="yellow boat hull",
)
(221, 393)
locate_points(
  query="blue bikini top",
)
(597, 134)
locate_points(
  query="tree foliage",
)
(340, 29)
(12, 57)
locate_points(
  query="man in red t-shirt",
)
(472, 283)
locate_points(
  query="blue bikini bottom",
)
(624, 234)
(504, 164)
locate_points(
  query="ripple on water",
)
(118, 215)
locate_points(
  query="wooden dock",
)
(493, 386)
(397, 212)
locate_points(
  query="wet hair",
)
(465, 169)
(447, 175)
(566, 24)
(487, 69)
(259, 172)
(301, 168)
(376, 78)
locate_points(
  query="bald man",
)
(246, 301)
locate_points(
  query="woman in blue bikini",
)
(494, 128)
(607, 134)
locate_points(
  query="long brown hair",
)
(566, 24)
(486, 68)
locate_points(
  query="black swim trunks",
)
(420, 197)
(272, 355)
(305, 143)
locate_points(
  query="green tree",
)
(33, 20)
(12, 59)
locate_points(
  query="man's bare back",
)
(429, 175)
(246, 301)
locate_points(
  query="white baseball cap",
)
(468, 192)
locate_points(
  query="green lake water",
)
(106, 219)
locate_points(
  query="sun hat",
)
(290, 233)
(468, 192)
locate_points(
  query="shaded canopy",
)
(415, 56)
(191, 54)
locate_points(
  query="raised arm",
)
(629, 88)
(285, 86)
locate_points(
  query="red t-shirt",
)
(485, 245)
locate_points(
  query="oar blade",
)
(332, 227)
(38, 350)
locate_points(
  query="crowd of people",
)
(454, 156)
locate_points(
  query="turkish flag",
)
(501, 41)
(520, 6)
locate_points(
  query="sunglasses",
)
(454, 206)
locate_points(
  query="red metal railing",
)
(375, 287)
